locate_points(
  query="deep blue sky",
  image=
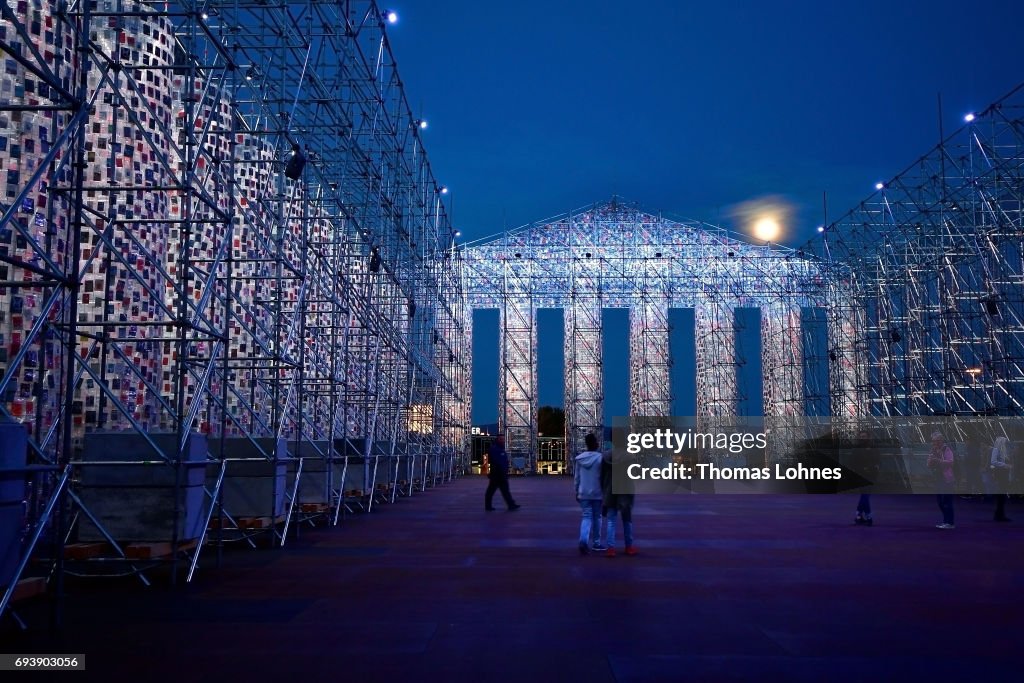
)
(537, 107)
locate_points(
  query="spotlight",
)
(205, 16)
(391, 16)
(420, 123)
(296, 164)
(458, 233)
(969, 118)
(444, 189)
(821, 228)
(879, 186)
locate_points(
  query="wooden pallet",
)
(314, 508)
(152, 551)
(85, 551)
(247, 522)
(259, 522)
(29, 588)
(228, 524)
(138, 550)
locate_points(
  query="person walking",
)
(497, 473)
(940, 462)
(587, 481)
(606, 473)
(999, 464)
(615, 504)
(867, 463)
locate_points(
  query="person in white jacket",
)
(587, 478)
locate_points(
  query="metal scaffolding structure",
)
(613, 255)
(228, 277)
(220, 227)
(926, 276)
(912, 303)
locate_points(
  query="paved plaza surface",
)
(725, 588)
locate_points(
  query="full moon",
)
(767, 229)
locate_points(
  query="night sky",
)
(535, 108)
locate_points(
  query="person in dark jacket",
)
(615, 504)
(498, 475)
(867, 462)
(941, 462)
(999, 463)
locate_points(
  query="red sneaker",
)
(610, 552)
(631, 550)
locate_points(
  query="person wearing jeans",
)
(946, 506)
(999, 463)
(616, 503)
(867, 463)
(587, 480)
(940, 462)
(623, 504)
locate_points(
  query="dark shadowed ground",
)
(725, 588)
